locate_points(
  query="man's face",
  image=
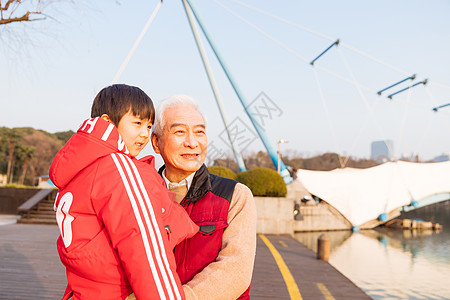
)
(135, 132)
(182, 144)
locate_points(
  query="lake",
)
(391, 263)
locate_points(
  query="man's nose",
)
(191, 140)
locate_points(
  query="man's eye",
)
(179, 132)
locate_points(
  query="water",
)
(395, 263)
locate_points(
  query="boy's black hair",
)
(118, 99)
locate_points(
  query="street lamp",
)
(282, 141)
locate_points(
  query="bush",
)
(263, 182)
(222, 171)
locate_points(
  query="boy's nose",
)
(145, 132)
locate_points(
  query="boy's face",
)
(135, 132)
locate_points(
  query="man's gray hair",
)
(160, 119)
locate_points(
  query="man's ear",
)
(106, 118)
(155, 143)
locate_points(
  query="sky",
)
(51, 70)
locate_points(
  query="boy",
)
(118, 225)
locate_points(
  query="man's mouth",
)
(189, 156)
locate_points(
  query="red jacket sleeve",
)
(132, 219)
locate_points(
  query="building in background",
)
(441, 158)
(3, 179)
(382, 151)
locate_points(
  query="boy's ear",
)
(106, 118)
(155, 143)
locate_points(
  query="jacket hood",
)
(94, 139)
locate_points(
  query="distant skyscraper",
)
(382, 151)
(442, 158)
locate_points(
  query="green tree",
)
(46, 146)
(3, 150)
(12, 137)
(24, 154)
(27, 152)
(261, 159)
(63, 136)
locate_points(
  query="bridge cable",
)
(279, 43)
(412, 77)
(290, 50)
(285, 47)
(439, 85)
(336, 43)
(318, 34)
(136, 44)
(327, 114)
(362, 53)
(214, 87)
(438, 110)
(430, 121)
(370, 109)
(424, 82)
(439, 107)
(403, 121)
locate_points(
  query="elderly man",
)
(217, 263)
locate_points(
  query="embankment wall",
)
(12, 198)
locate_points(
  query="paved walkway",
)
(30, 268)
(314, 279)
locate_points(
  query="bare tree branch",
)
(25, 17)
(11, 7)
(8, 3)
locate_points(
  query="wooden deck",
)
(29, 263)
(30, 268)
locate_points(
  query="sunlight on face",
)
(183, 141)
(135, 132)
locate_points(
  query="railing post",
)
(323, 247)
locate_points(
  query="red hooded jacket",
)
(118, 225)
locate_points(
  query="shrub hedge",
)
(263, 182)
(222, 171)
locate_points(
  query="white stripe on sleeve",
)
(142, 227)
(158, 233)
(153, 224)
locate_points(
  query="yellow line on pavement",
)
(283, 244)
(325, 291)
(292, 287)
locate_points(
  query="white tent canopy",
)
(361, 195)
